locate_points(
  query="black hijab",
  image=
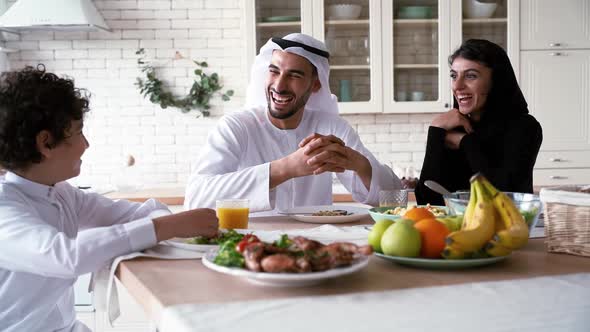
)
(505, 99)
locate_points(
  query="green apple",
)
(406, 221)
(374, 238)
(401, 239)
(453, 223)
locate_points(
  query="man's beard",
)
(299, 104)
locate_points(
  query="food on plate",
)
(492, 224)
(288, 255)
(433, 233)
(401, 211)
(326, 213)
(217, 239)
(401, 239)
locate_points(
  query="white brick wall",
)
(165, 142)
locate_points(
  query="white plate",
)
(357, 214)
(284, 279)
(179, 242)
(442, 264)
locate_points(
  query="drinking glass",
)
(232, 213)
(393, 198)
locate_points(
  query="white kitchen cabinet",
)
(415, 50)
(556, 85)
(386, 60)
(561, 176)
(555, 79)
(550, 24)
(563, 159)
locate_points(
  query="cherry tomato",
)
(246, 240)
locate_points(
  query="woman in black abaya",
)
(489, 129)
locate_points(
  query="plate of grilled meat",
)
(287, 262)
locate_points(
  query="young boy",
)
(50, 231)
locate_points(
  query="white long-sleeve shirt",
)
(236, 164)
(49, 235)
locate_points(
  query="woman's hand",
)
(452, 119)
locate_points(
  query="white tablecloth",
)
(557, 303)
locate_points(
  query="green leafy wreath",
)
(203, 89)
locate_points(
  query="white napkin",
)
(325, 234)
(105, 291)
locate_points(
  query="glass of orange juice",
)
(232, 213)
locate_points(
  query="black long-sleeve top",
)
(505, 152)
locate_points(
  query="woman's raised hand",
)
(452, 119)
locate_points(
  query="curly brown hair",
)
(32, 100)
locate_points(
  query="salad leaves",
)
(218, 239)
(227, 254)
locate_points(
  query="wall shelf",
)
(421, 21)
(347, 22)
(278, 24)
(416, 66)
(350, 67)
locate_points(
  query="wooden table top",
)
(156, 284)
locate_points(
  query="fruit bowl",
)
(530, 205)
(344, 11)
(379, 213)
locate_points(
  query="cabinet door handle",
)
(556, 54)
(556, 160)
(446, 105)
(558, 177)
(554, 44)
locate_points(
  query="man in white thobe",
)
(50, 231)
(282, 150)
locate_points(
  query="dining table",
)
(530, 290)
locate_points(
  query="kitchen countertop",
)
(175, 195)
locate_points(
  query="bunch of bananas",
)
(492, 225)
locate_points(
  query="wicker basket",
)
(567, 219)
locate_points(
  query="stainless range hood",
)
(68, 15)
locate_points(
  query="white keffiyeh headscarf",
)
(303, 45)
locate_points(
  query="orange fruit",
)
(418, 213)
(433, 234)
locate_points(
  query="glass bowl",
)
(530, 205)
(477, 9)
(344, 11)
(414, 12)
